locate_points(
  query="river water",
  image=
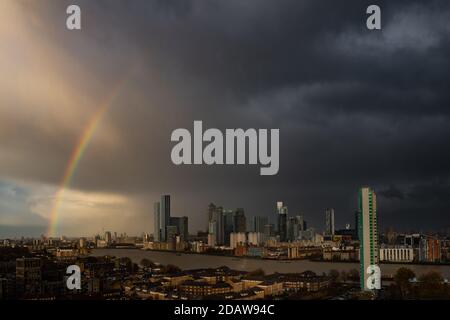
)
(195, 261)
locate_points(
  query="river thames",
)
(195, 261)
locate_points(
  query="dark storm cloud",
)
(354, 107)
(392, 193)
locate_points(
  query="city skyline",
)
(86, 116)
(327, 220)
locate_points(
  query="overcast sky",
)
(354, 107)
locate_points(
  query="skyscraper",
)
(368, 233)
(184, 228)
(212, 229)
(282, 221)
(268, 230)
(211, 209)
(259, 223)
(240, 223)
(164, 216)
(181, 223)
(216, 226)
(108, 237)
(295, 227)
(220, 230)
(157, 221)
(228, 221)
(329, 221)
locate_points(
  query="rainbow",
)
(78, 152)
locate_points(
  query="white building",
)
(255, 238)
(397, 254)
(211, 240)
(237, 238)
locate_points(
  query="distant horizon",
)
(4, 234)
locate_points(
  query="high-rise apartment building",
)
(368, 233)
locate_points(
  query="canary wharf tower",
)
(368, 233)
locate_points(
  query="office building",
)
(164, 216)
(259, 223)
(210, 213)
(228, 221)
(240, 222)
(184, 228)
(172, 232)
(269, 230)
(329, 222)
(108, 237)
(212, 234)
(216, 226)
(157, 222)
(368, 233)
(282, 213)
(181, 223)
(161, 211)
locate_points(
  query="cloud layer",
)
(353, 107)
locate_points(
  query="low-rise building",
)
(397, 254)
(307, 281)
(203, 288)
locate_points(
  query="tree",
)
(402, 278)
(353, 274)
(146, 263)
(171, 269)
(334, 275)
(431, 285)
(344, 276)
(256, 273)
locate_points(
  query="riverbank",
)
(282, 260)
(195, 261)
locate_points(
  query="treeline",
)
(11, 254)
(407, 285)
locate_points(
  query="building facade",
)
(282, 212)
(329, 222)
(397, 254)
